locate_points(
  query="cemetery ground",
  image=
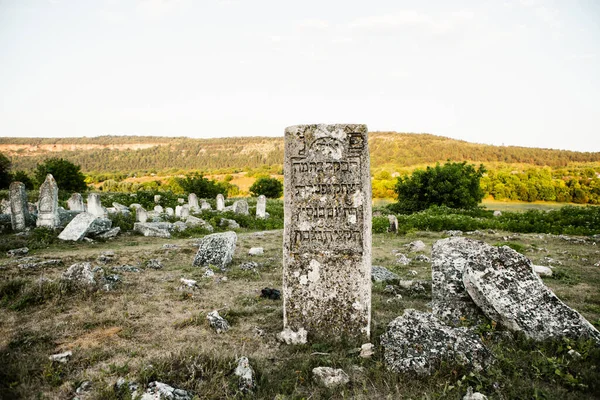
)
(145, 329)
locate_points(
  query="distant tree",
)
(269, 187)
(454, 185)
(68, 176)
(5, 177)
(201, 186)
(21, 176)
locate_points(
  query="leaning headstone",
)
(94, 205)
(19, 211)
(241, 207)
(220, 202)
(193, 202)
(393, 220)
(502, 282)
(75, 202)
(327, 231)
(216, 249)
(141, 215)
(48, 204)
(78, 227)
(450, 301)
(261, 207)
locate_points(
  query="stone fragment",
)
(256, 251)
(179, 226)
(416, 246)
(20, 252)
(417, 342)
(120, 208)
(246, 375)
(170, 212)
(19, 210)
(503, 284)
(78, 227)
(159, 209)
(61, 357)
(188, 284)
(542, 271)
(497, 213)
(106, 256)
(229, 223)
(393, 221)
(261, 207)
(161, 391)
(327, 258)
(94, 206)
(154, 229)
(450, 301)
(39, 264)
(216, 249)
(193, 202)
(112, 233)
(218, 323)
(269, 293)
(125, 268)
(157, 198)
(205, 205)
(75, 202)
(422, 258)
(330, 377)
(382, 274)
(452, 233)
(290, 337)
(220, 202)
(154, 263)
(401, 259)
(99, 226)
(192, 221)
(241, 207)
(474, 396)
(84, 273)
(366, 350)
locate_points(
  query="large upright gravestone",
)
(327, 231)
(48, 204)
(19, 212)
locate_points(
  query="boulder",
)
(192, 221)
(218, 323)
(216, 249)
(502, 282)
(84, 273)
(330, 377)
(418, 343)
(246, 375)
(382, 274)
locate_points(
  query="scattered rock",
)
(85, 386)
(366, 350)
(246, 375)
(112, 233)
(382, 274)
(503, 284)
(40, 264)
(497, 213)
(153, 229)
(452, 233)
(208, 273)
(20, 252)
(330, 377)
(416, 246)
(192, 221)
(154, 263)
(61, 357)
(269, 293)
(290, 337)
(256, 251)
(401, 259)
(162, 391)
(106, 256)
(575, 355)
(249, 266)
(125, 268)
(84, 273)
(229, 223)
(216, 249)
(422, 258)
(417, 342)
(170, 246)
(542, 271)
(218, 323)
(188, 284)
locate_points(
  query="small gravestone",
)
(393, 221)
(261, 207)
(216, 249)
(169, 211)
(94, 205)
(19, 209)
(241, 207)
(178, 211)
(220, 202)
(193, 202)
(141, 215)
(48, 204)
(75, 202)
(157, 198)
(205, 205)
(185, 211)
(327, 231)
(159, 209)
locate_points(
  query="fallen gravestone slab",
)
(22, 251)
(417, 342)
(78, 227)
(192, 221)
(502, 282)
(216, 249)
(153, 229)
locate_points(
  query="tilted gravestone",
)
(75, 202)
(261, 207)
(94, 205)
(220, 202)
(327, 231)
(19, 209)
(48, 204)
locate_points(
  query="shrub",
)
(269, 187)
(67, 175)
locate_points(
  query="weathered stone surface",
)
(450, 300)
(393, 221)
(402, 259)
(192, 221)
(193, 202)
(205, 205)
(169, 211)
(161, 391)
(503, 284)
(39, 264)
(220, 202)
(19, 210)
(5, 207)
(473, 396)
(246, 375)
(154, 229)
(84, 273)
(230, 223)
(216, 249)
(179, 226)
(293, 337)
(75, 202)
(158, 209)
(99, 226)
(112, 233)
(78, 227)
(94, 206)
(20, 252)
(542, 271)
(416, 246)
(256, 251)
(261, 207)
(327, 230)
(330, 377)
(141, 215)
(218, 323)
(382, 274)
(48, 204)
(418, 343)
(185, 211)
(241, 207)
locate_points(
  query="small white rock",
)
(256, 251)
(366, 350)
(330, 377)
(61, 357)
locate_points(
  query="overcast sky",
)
(514, 72)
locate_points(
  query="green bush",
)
(67, 175)
(269, 187)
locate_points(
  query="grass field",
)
(149, 330)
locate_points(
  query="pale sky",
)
(514, 72)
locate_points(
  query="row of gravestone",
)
(49, 214)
